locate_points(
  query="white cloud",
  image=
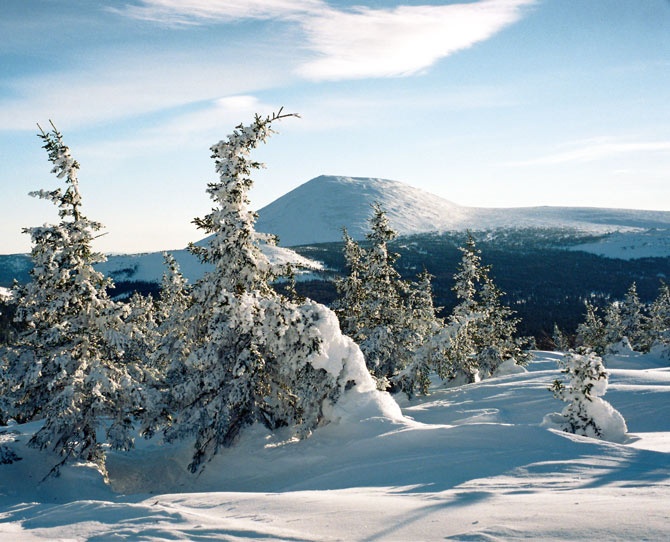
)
(399, 41)
(199, 11)
(593, 150)
(130, 86)
(357, 43)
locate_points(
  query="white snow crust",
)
(468, 462)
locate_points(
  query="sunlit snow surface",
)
(466, 463)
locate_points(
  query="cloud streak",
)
(357, 43)
(400, 41)
(188, 12)
(594, 150)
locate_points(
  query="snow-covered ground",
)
(465, 463)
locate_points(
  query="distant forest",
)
(544, 281)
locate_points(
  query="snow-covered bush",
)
(586, 413)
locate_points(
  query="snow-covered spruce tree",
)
(658, 323)
(613, 328)
(634, 320)
(253, 355)
(69, 369)
(561, 341)
(426, 338)
(587, 413)
(461, 354)
(591, 333)
(348, 306)
(497, 328)
(171, 325)
(374, 304)
(484, 327)
(171, 346)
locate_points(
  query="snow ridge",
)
(316, 212)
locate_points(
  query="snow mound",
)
(340, 356)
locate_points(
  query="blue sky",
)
(495, 103)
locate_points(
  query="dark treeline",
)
(543, 282)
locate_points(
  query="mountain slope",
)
(316, 212)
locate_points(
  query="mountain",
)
(316, 212)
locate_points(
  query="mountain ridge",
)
(316, 211)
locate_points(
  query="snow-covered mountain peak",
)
(316, 212)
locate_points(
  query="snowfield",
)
(465, 463)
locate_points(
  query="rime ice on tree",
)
(69, 368)
(254, 356)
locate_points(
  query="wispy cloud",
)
(595, 149)
(122, 80)
(202, 11)
(400, 41)
(357, 43)
(131, 86)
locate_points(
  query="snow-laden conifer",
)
(427, 338)
(591, 333)
(561, 341)
(483, 327)
(69, 368)
(658, 323)
(586, 413)
(393, 320)
(374, 303)
(465, 315)
(634, 320)
(250, 354)
(348, 306)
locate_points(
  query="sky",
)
(488, 103)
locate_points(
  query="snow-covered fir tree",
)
(348, 306)
(252, 354)
(658, 323)
(561, 341)
(497, 329)
(383, 334)
(393, 320)
(170, 312)
(586, 413)
(634, 320)
(462, 352)
(591, 333)
(426, 338)
(627, 324)
(69, 368)
(483, 327)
